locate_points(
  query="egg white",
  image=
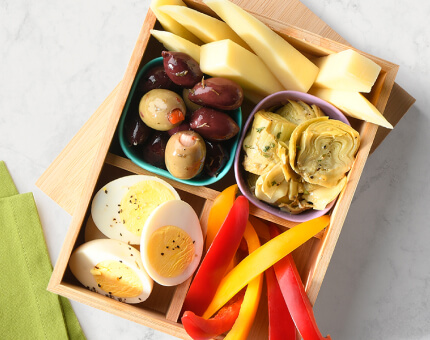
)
(183, 216)
(89, 254)
(105, 207)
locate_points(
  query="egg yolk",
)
(170, 250)
(140, 200)
(117, 279)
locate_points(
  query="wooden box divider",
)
(162, 311)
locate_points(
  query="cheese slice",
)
(203, 26)
(347, 71)
(170, 24)
(176, 43)
(353, 104)
(227, 59)
(293, 70)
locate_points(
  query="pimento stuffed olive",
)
(185, 154)
(162, 109)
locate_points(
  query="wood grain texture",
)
(312, 259)
(291, 12)
(64, 178)
(80, 151)
(398, 104)
(206, 193)
(310, 41)
(144, 317)
(320, 259)
(126, 164)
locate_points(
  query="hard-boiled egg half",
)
(121, 207)
(172, 243)
(112, 268)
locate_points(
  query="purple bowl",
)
(277, 99)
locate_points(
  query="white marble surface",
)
(59, 60)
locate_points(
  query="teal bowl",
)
(135, 155)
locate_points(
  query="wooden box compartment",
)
(161, 311)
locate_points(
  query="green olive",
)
(191, 107)
(185, 154)
(162, 109)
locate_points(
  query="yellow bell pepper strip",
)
(261, 259)
(217, 259)
(219, 210)
(281, 325)
(202, 329)
(295, 296)
(249, 307)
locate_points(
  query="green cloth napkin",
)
(27, 309)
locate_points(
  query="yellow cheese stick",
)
(175, 43)
(169, 24)
(353, 104)
(203, 26)
(347, 71)
(293, 70)
(227, 59)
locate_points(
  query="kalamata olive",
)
(155, 148)
(162, 109)
(185, 154)
(136, 131)
(183, 127)
(181, 68)
(213, 125)
(216, 157)
(191, 107)
(219, 93)
(155, 78)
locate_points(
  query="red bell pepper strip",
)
(262, 258)
(295, 297)
(281, 325)
(218, 258)
(202, 329)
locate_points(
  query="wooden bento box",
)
(162, 310)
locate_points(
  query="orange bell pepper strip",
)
(262, 258)
(249, 306)
(295, 296)
(281, 325)
(219, 210)
(217, 259)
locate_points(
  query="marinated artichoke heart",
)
(281, 186)
(295, 207)
(298, 167)
(298, 112)
(272, 186)
(320, 196)
(260, 144)
(322, 151)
